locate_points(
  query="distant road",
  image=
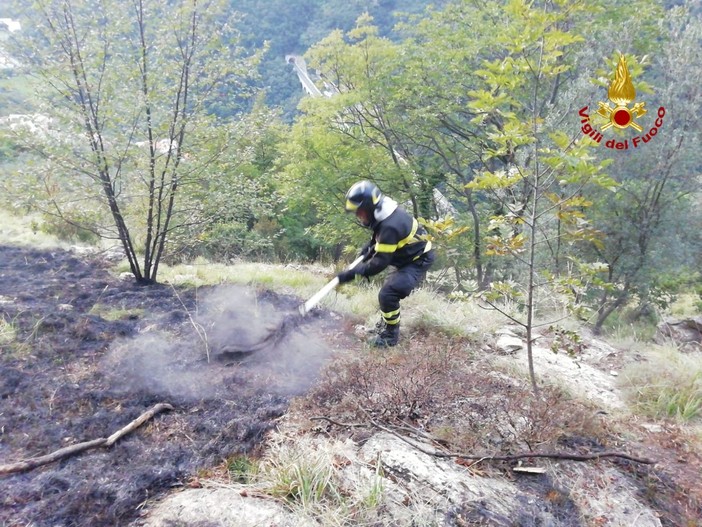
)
(301, 70)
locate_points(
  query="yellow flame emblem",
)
(621, 92)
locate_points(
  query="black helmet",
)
(365, 196)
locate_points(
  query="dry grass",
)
(686, 305)
(115, 313)
(12, 342)
(8, 331)
(667, 384)
(24, 231)
(423, 309)
(320, 480)
(441, 387)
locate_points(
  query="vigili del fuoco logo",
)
(621, 92)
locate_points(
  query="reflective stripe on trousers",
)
(399, 284)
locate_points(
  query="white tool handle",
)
(307, 306)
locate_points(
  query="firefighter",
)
(399, 241)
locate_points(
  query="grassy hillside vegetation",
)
(175, 137)
(447, 380)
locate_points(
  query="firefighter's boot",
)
(388, 336)
(380, 326)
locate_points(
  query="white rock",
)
(433, 485)
(509, 344)
(505, 331)
(579, 377)
(654, 428)
(222, 507)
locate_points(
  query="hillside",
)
(282, 431)
(169, 197)
(293, 26)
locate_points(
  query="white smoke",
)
(171, 359)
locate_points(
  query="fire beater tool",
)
(289, 323)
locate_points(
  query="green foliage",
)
(450, 242)
(113, 313)
(241, 468)
(292, 26)
(130, 133)
(230, 240)
(644, 240)
(67, 228)
(564, 339)
(477, 100)
(233, 211)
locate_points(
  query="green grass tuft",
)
(242, 469)
(667, 384)
(112, 314)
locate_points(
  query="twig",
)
(337, 423)
(557, 455)
(29, 464)
(513, 457)
(199, 328)
(156, 409)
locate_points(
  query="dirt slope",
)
(83, 353)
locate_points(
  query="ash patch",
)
(72, 374)
(541, 495)
(540, 503)
(183, 363)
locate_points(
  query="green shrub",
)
(65, 231)
(225, 241)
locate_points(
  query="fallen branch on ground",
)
(29, 464)
(462, 456)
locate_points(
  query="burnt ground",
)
(85, 353)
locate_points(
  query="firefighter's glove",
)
(368, 251)
(346, 276)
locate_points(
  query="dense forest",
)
(292, 27)
(178, 130)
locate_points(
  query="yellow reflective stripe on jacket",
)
(391, 248)
(427, 248)
(405, 241)
(385, 247)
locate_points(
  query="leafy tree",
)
(348, 136)
(651, 224)
(234, 211)
(542, 189)
(128, 90)
(442, 53)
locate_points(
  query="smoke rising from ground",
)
(169, 357)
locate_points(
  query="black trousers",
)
(400, 283)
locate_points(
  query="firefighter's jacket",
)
(398, 239)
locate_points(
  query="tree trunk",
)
(606, 310)
(480, 275)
